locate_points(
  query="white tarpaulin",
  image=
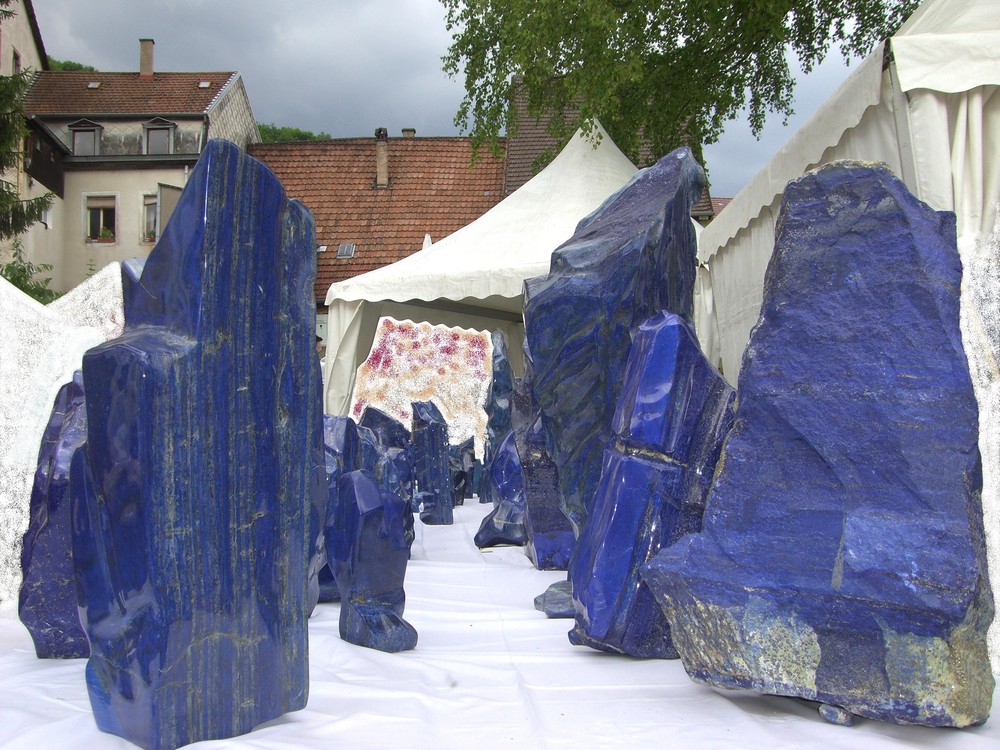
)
(473, 277)
(925, 103)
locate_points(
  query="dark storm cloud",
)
(340, 66)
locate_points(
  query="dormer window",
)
(158, 136)
(86, 138)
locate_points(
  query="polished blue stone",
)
(47, 601)
(633, 257)
(673, 412)
(461, 459)
(505, 523)
(497, 407)
(842, 557)
(395, 445)
(368, 551)
(432, 479)
(193, 498)
(548, 531)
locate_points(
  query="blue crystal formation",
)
(549, 535)
(842, 557)
(630, 259)
(192, 497)
(673, 412)
(497, 407)
(505, 523)
(431, 476)
(461, 459)
(395, 445)
(47, 600)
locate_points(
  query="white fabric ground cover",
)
(489, 671)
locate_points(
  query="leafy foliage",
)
(69, 65)
(22, 273)
(657, 73)
(16, 215)
(270, 133)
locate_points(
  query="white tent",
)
(926, 103)
(473, 277)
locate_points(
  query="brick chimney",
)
(146, 58)
(381, 158)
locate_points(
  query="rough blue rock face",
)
(47, 601)
(461, 459)
(630, 259)
(497, 407)
(193, 495)
(505, 523)
(549, 534)
(432, 480)
(673, 412)
(842, 555)
(395, 445)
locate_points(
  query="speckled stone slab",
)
(203, 463)
(842, 556)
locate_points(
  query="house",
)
(116, 150)
(376, 200)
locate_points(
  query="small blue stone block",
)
(505, 524)
(842, 557)
(47, 602)
(194, 496)
(673, 412)
(432, 479)
(497, 407)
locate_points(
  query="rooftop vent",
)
(94, 85)
(346, 251)
(204, 84)
(409, 132)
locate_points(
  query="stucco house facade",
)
(116, 150)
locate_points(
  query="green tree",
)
(16, 215)
(69, 65)
(270, 133)
(657, 73)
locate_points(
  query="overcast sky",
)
(341, 66)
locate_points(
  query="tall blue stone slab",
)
(550, 537)
(432, 480)
(461, 458)
(497, 407)
(842, 557)
(194, 494)
(47, 600)
(630, 259)
(396, 444)
(505, 523)
(368, 552)
(673, 412)
(343, 454)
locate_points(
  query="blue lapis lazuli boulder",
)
(47, 601)
(432, 478)
(633, 257)
(368, 551)
(673, 412)
(461, 459)
(549, 535)
(842, 557)
(505, 523)
(497, 407)
(395, 444)
(193, 495)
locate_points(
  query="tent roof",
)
(514, 240)
(945, 45)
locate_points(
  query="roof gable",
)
(69, 93)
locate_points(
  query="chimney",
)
(409, 132)
(381, 158)
(146, 58)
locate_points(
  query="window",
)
(149, 208)
(17, 62)
(101, 218)
(158, 136)
(346, 251)
(86, 138)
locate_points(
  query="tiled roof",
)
(720, 203)
(72, 93)
(432, 190)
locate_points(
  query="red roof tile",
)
(432, 190)
(70, 93)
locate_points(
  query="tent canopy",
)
(473, 278)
